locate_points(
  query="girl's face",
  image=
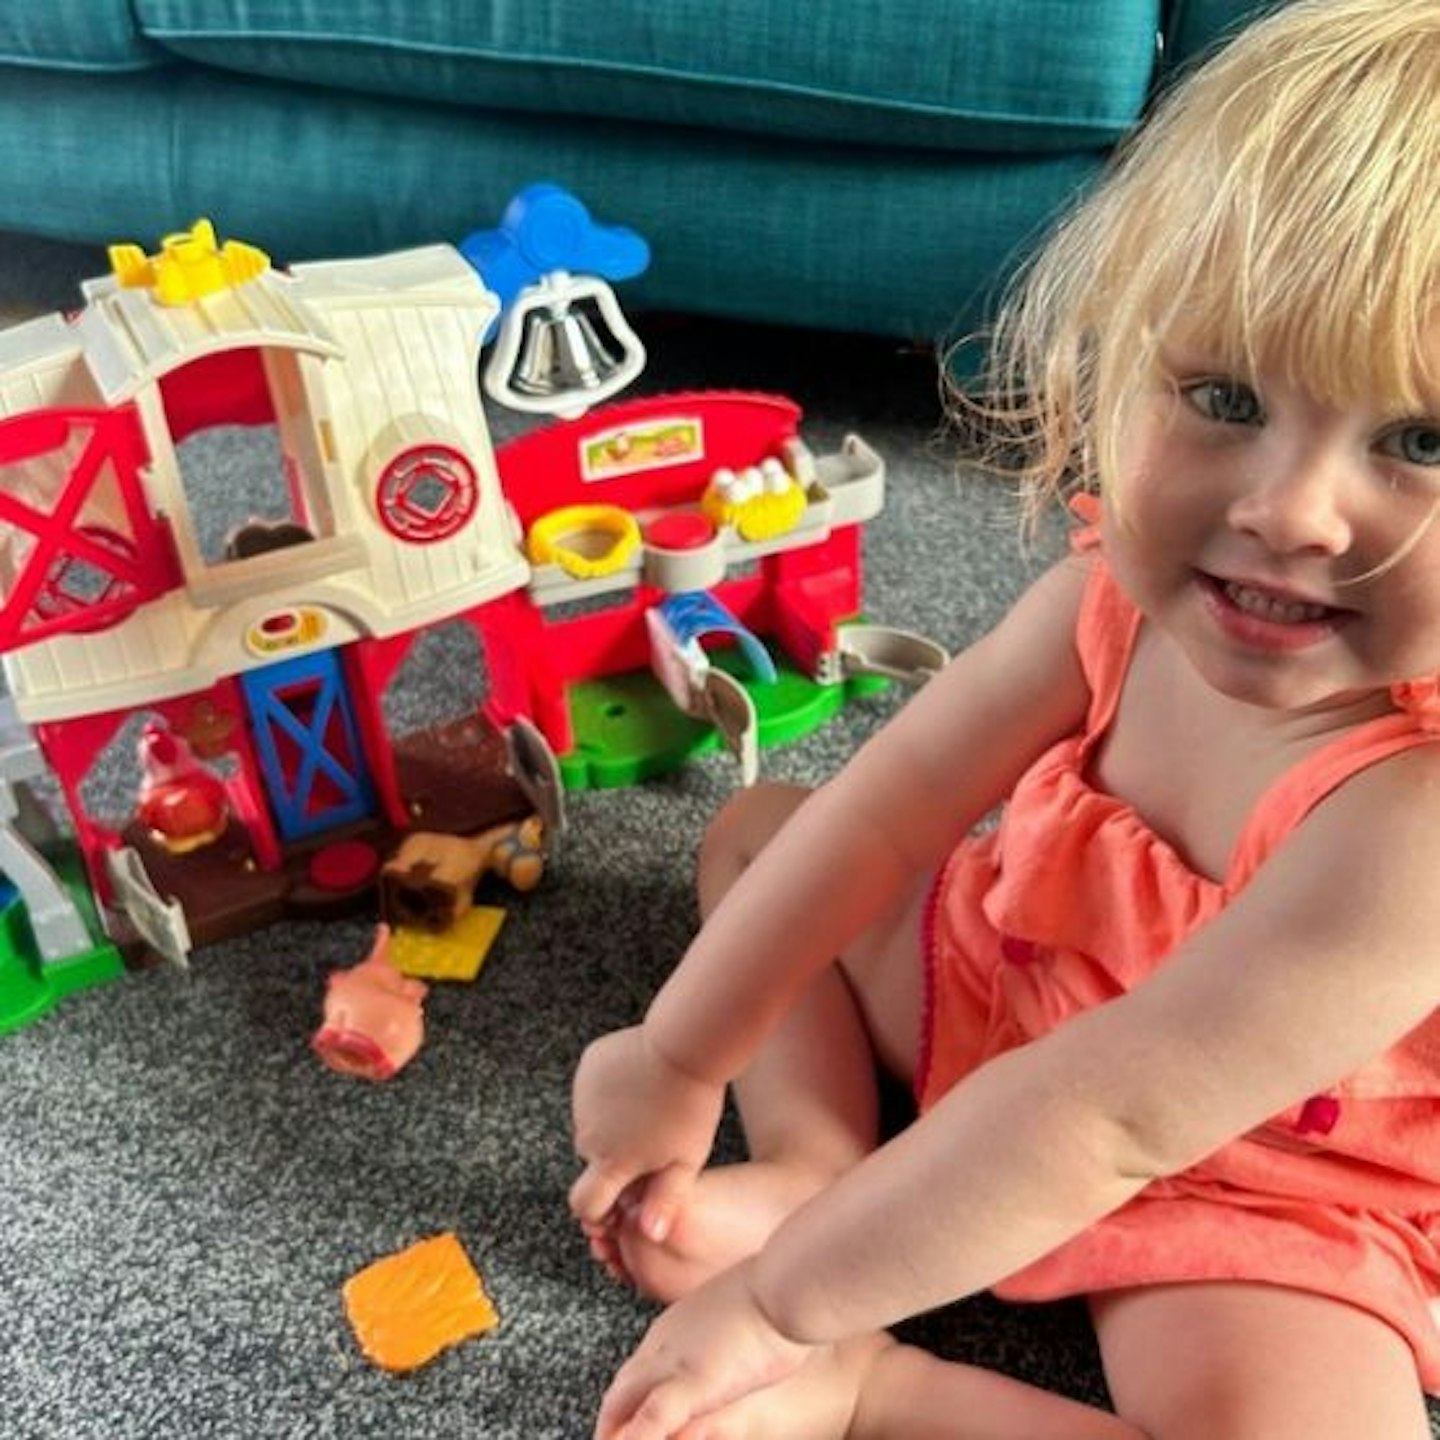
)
(1290, 548)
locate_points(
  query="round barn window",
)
(427, 493)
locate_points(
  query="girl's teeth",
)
(1271, 607)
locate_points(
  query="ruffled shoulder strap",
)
(1105, 639)
(1420, 700)
(1084, 510)
(1291, 798)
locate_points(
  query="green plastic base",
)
(627, 729)
(29, 987)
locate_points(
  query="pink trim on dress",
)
(925, 1056)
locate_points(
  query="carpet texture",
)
(185, 1189)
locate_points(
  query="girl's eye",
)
(1228, 402)
(1417, 444)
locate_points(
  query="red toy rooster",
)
(181, 803)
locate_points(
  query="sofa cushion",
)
(1194, 27)
(1025, 75)
(842, 237)
(71, 35)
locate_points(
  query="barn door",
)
(308, 745)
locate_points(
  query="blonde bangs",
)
(1313, 232)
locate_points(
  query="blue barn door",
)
(308, 745)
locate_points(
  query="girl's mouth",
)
(1270, 619)
(1269, 606)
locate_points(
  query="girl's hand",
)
(638, 1117)
(709, 1349)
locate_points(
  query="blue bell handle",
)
(544, 229)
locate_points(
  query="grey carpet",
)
(185, 1189)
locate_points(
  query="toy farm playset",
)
(625, 572)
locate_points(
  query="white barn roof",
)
(131, 339)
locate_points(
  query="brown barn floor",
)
(455, 781)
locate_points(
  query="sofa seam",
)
(928, 108)
(80, 67)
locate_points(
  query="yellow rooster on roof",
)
(189, 264)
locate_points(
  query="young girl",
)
(1173, 1027)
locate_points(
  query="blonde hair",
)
(1281, 205)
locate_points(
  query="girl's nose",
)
(1298, 505)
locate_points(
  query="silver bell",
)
(563, 346)
(560, 353)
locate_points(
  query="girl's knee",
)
(740, 830)
(746, 822)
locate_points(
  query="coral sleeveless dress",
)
(1072, 901)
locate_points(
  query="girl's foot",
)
(730, 1213)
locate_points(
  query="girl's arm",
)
(1326, 959)
(644, 1096)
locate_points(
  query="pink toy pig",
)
(374, 1019)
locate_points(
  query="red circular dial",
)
(427, 493)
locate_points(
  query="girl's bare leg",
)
(1219, 1360)
(808, 1103)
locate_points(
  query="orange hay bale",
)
(408, 1307)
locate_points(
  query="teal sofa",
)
(846, 165)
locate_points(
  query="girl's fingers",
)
(594, 1194)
